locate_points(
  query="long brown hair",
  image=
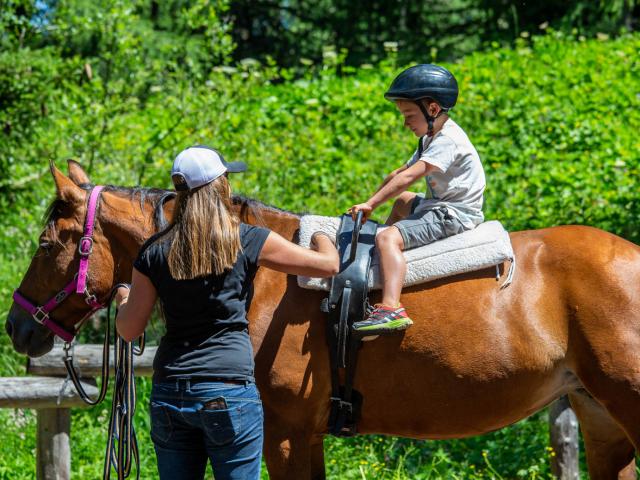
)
(205, 232)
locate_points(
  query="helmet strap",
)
(429, 118)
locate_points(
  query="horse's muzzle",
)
(28, 337)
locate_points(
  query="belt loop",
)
(188, 384)
(177, 384)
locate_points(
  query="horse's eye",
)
(46, 246)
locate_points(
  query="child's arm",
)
(402, 179)
(389, 177)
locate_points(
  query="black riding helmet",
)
(425, 81)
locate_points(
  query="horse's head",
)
(47, 301)
(52, 278)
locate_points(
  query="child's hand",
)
(365, 208)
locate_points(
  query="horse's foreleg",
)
(317, 458)
(292, 452)
(610, 454)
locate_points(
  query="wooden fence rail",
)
(88, 362)
(52, 396)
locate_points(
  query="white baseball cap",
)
(198, 165)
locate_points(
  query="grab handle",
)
(355, 236)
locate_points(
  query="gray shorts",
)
(426, 227)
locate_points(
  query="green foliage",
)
(264, 28)
(557, 130)
(555, 120)
(17, 461)
(421, 31)
(20, 22)
(517, 452)
(122, 36)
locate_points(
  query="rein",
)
(121, 428)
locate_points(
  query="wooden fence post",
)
(563, 430)
(52, 396)
(52, 399)
(53, 460)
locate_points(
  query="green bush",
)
(555, 120)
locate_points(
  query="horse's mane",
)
(157, 197)
(256, 208)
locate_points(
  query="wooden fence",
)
(52, 396)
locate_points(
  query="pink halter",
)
(79, 283)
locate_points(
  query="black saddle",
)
(347, 303)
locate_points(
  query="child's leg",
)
(423, 228)
(389, 315)
(402, 207)
(393, 266)
(411, 232)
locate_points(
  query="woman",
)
(204, 402)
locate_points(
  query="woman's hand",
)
(134, 314)
(321, 241)
(122, 295)
(365, 208)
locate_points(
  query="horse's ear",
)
(66, 189)
(77, 173)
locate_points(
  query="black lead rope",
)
(122, 444)
(73, 375)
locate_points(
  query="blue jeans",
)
(192, 422)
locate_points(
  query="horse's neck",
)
(278, 303)
(127, 224)
(283, 223)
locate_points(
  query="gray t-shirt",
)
(459, 183)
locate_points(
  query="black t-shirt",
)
(207, 328)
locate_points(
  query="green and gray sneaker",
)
(384, 319)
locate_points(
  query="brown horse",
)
(477, 359)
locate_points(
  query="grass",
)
(499, 455)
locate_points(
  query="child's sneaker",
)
(384, 318)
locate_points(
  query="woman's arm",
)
(285, 256)
(135, 306)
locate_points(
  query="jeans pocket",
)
(161, 427)
(221, 426)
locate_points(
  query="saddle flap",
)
(354, 273)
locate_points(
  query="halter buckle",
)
(40, 315)
(68, 352)
(81, 249)
(90, 299)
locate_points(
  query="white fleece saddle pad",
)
(485, 246)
